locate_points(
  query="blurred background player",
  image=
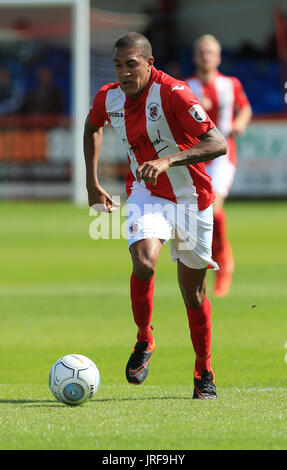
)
(227, 105)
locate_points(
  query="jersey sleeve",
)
(98, 115)
(188, 111)
(240, 98)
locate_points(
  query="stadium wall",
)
(262, 160)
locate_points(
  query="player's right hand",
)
(100, 200)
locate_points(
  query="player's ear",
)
(151, 61)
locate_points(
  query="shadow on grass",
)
(26, 402)
(95, 401)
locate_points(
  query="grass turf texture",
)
(62, 292)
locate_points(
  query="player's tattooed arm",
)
(211, 145)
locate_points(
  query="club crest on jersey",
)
(197, 113)
(153, 111)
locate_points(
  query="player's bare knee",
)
(143, 268)
(144, 258)
(194, 299)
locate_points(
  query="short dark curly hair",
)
(135, 40)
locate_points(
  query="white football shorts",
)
(222, 172)
(189, 230)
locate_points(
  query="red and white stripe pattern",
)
(165, 119)
(225, 94)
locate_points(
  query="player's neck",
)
(207, 76)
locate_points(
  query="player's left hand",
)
(238, 128)
(149, 171)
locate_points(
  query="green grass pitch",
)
(62, 292)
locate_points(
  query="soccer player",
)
(168, 138)
(225, 101)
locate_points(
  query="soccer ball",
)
(74, 379)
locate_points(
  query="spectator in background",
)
(220, 96)
(11, 93)
(46, 97)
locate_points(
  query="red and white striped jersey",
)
(165, 119)
(225, 95)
